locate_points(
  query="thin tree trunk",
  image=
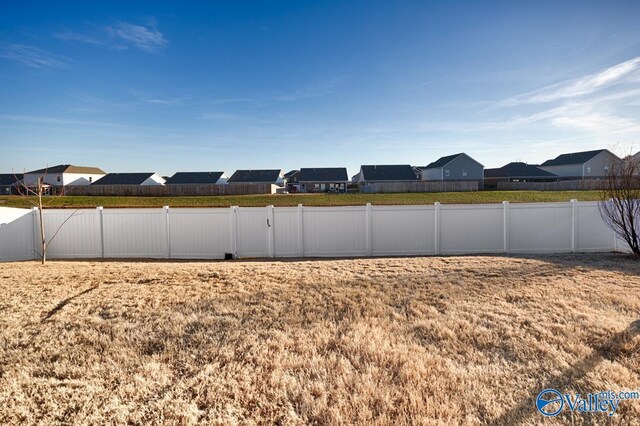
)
(42, 235)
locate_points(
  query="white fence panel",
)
(252, 232)
(592, 233)
(335, 231)
(72, 233)
(286, 230)
(543, 227)
(472, 229)
(199, 233)
(135, 233)
(402, 230)
(16, 234)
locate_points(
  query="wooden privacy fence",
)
(563, 185)
(171, 190)
(419, 186)
(190, 233)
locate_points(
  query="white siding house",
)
(64, 175)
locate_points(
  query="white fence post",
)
(270, 233)
(34, 214)
(233, 235)
(167, 240)
(505, 206)
(368, 222)
(574, 225)
(300, 231)
(436, 233)
(99, 209)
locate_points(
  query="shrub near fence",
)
(269, 231)
(171, 190)
(419, 186)
(563, 185)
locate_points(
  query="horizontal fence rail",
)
(178, 190)
(420, 186)
(562, 185)
(246, 232)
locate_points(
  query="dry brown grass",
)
(368, 341)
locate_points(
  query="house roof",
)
(291, 173)
(9, 178)
(323, 174)
(194, 178)
(388, 172)
(443, 161)
(69, 168)
(123, 178)
(573, 158)
(249, 176)
(518, 169)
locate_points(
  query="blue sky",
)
(189, 86)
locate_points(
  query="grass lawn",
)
(398, 341)
(308, 199)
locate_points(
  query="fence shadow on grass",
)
(611, 350)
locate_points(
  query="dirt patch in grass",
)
(368, 341)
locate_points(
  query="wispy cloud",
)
(582, 86)
(311, 90)
(144, 38)
(31, 56)
(120, 36)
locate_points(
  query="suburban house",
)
(516, 172)
(141, 179)
(581, 165)
(321, 179)
(197, 178)
(9, 183)
(63, 175)
(453, 167)
(291, 178)
(385, 173)
(272, 176)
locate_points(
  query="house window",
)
(464, 172)
(446, 172)
(606, 168)
(316, 186)
(58, 178)
(322, 187)
(588, 169)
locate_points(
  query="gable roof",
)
(69, 168)
(291, 173)
(123, 178)
(388, 172)
(326, 174)
(249, 176)
(573, 158)
(443, 161)
(10, 178)
(194, 178)
(518, 169)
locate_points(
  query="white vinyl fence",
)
(209, 233)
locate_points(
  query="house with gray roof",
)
(453, 167)
(320, 179)
(63, 175)
(385, 173)
(139, 179)
(198, 178)
(516, 172)
(269, 176)
(10, 183)
(582, 165)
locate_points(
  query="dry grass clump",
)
(367, 341)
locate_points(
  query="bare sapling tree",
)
(620, 204)
(34, 194)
